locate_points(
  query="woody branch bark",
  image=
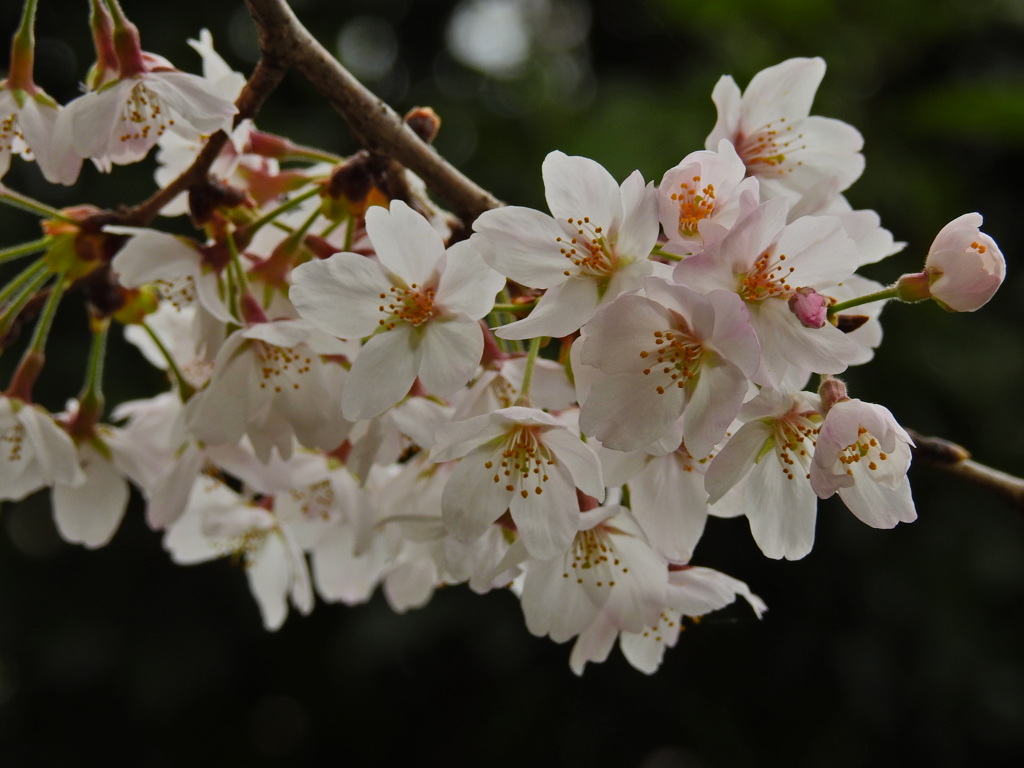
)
(956, 460)
(284, 41)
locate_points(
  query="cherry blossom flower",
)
(767, 262)
(609, 571)
(864, 454)
(522, 460)
(418, 303)
(270, 382)
(34, 451)
(765, 465)
(790, 152)
(121, 121)
(27, 122)
(670, 353)
(691, 591)
(594, 246)
(964, 265)
(704, 196)
(219, 522)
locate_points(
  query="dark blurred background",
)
(881, 647)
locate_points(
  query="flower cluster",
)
(553, 404)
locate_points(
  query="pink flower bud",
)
(810, 307)
(965, 265)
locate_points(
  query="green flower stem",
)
(531, 358)
(30, 274)
(18, 200)
(888, 293)
(185, 390)
(42, 329)
(269, 216)
(92, 392)
(658, 251)
(23, 50)
(19, 292)
(514, 307)
(25, 249)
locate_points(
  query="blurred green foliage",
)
(880, 647)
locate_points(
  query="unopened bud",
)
(424, 122)
(831, 391)
(810, 307)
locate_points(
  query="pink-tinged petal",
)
(878, 506)
(547, 521)
(450, 353)
(561, 310)
(150, 256)
(639, 231)
(552, 604)
(194, 98)
(727, 99)
(170, 494)
(382, 373)
(90, 513)
(341, 294)
(785, 90)
(670, 504)
(782, 521)
(734, 336)
(88, 123)
(714, 401)
(623, 415)
(269, 574)
(578, 187)
(468, 286)
(522, 244)
(579, 459)
(593, 644)
(829, 153)
(817, 250)
(460, 437)
(342, 576)
(472, 499)
(732, 463)
(696, 591)
(405, 243)
(626, 324)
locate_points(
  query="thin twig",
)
(956, 460)
(377, 127)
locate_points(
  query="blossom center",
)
(796, 436)
(695, 203)
(413, 305)
(280, 367)
(143, 115)
(864, 452)
(675, 355)
(522, 463)
(587, 249)
(767, 279)
(765, 151)
(593, 558)
(14, 437)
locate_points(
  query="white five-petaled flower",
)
(34, 451)
(121, 121)
(594, 246)
(864, 454)
(418, 303)
(791, 152)
(765, 466)
(669, 353)
(525, 461)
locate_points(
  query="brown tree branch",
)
(956, 460)
(284, 41)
